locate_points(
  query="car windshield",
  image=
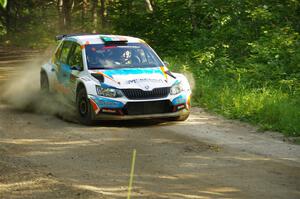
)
(128, 55)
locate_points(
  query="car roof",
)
(96, 39)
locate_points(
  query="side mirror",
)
(166, 63)
(76, 68)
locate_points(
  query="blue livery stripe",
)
(103, 102)
(181, 99)
(132, 71)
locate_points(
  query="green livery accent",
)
(106, 39)
(113, 39)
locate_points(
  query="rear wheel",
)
(44, 82)
(84, 108)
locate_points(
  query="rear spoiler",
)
(60, 37)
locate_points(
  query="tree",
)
(102, 13)
(95, 15)
(67, 8)
(84, 12)
(60, 15)
(3, 3)
(149, 6)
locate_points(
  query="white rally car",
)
(114, 77)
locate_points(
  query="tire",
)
(83, 108)
(44, 83)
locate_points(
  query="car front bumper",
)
(112, 109)
(145, 116)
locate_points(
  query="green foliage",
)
(2, 29)
(3, 3)
(244, 55)
(272, 108)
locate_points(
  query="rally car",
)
(111, 77)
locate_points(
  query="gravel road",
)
(206, 157)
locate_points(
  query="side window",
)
(76, 57)
(57, 53)
(65, 52)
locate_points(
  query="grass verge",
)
(270, 108)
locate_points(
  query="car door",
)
(75, 63)
(62, 69)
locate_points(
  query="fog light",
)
(179, 107)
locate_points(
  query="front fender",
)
(89, 85)
(185, 82)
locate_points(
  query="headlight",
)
(177, 88)
(108, 92)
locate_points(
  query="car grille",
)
(153, 107)
(140, 94)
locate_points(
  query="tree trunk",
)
(67, 6)
(95, 15)
(102, 14)
(60, 15)
(149, 6)
(84, 13)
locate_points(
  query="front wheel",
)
(84, 108)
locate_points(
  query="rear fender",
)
(48, 69)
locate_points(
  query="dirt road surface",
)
(206, 157)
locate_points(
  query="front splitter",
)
(146, 116)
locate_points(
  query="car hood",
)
(142, 78)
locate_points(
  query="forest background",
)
(243, 55)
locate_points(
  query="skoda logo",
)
(147, 87)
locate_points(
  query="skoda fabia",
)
(111, 77)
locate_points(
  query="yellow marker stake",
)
(131, 173)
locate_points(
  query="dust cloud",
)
(190, 78)
(22, 92)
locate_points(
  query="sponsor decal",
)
(95, 106)
(162, 68)
(108, 77)
(135, 47)
(103, 102)
(181, 99)
(61, 88)
(144, 80)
